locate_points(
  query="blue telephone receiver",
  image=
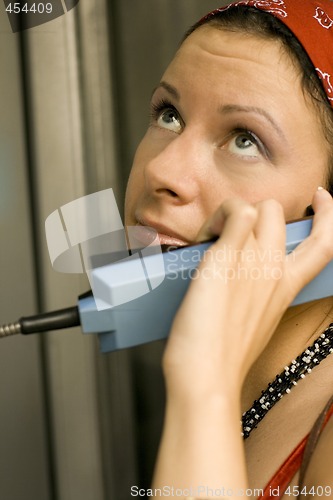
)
(149, 317)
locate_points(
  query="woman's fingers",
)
(261, 228)
(248, 232)
(316, 251)
(235, 218)
(270, 230)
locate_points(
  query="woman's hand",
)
(243, 286)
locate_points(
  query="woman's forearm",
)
(201, 451)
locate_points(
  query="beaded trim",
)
(287, 379)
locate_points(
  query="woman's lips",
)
(170, 241)
(165, 235)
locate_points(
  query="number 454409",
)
(35, 8)
(319, 491)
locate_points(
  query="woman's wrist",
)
(189, 387)
(194, 437)
(196, 405)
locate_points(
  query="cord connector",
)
(55, 320)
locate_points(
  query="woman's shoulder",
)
(319, 474)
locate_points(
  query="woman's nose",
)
(175, 173)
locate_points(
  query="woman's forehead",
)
(237, 44)
(214, 57)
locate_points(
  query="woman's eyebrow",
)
(227, 108)
(234, 108)
(169, 88)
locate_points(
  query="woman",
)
(240, 141)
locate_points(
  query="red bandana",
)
(311, 21)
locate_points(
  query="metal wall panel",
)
(24, 458)
(54, 111)
(68, 70)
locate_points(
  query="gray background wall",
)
(74, 104)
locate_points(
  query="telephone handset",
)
(149, 317)
(143, 291)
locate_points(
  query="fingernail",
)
(323, 192)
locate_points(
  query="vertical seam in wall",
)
(27, 106)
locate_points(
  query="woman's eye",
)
(244, 144)
(170, 120)
(166, 116)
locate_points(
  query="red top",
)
(282, 478)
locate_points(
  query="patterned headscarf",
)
(311, 22)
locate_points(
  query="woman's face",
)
(229, 119)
